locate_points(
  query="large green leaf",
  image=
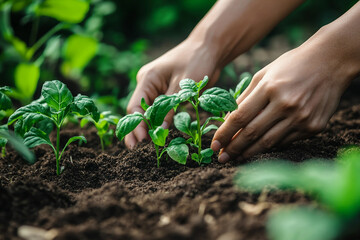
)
(302, 223)
(178, 150)
(128, 123)
(182, 122)
(36, 137)
(161, 107)
(5, 101)
(159, 135)
(26, 79)
(28, 116)
(71, 11)
(217, 100)
(189, 84)
(56, 95)
(186, 94)
(78, 51)
(84, 106)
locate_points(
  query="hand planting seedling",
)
(214, 100)
(153, 117)
(102, 126)
(35, 121)
(336, 185)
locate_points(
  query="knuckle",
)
(267, 143)
(236, 118)
(315, 127)
(147, 72)
(270, 88)
(249, 133)
(303, 115)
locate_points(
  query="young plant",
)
(103, 127)
(35, 121)
(245, 79)
(153, 117)
(336, 186)
(214, 100)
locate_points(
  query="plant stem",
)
(57, 150)
(199, 130)
(102, 143)
(3, 152)
(34, 30)
(157, 155)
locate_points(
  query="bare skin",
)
(290, 99)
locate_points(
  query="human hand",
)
(290, 99)
(190, 59)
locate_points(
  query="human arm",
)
(230, 28)
(294, 96)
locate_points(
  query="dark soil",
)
(121, 194)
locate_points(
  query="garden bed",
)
(121, 194)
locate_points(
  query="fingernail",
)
(215, 145)
(165, 125)
(224, 157)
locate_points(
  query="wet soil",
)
(121, 194)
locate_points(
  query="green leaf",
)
(189, 84)
(178, 150)
(161, 107)
(217, 100)
(243, 84)
(303, 223)
(78, 51)
(3, 139)
(144, 105)
(182, 122)
(159, 135)
(220, 119)
(195, 157)
(203, 83)
(209, 128)
(36, 137)
(26, 79)
(29, 115)
(5, 102)
(17, 144)
(127, 123)
(56, 95)
(71, 11)
(186, 94)
(206, 155)
(83, 122)
(85, 106)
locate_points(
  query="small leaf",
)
(127, 123)
(186, 94)
(83, 122)
(177, 141)
(26, 79)
(303, 223)
(161, 107)
(73, 139)
(56, 95)
(85, 106)
(5, 102)
(195, 157)
(206, 155)
(217, 100)
(243, 84)
(189, 84)
(203, 83)
(36, 137)
(182, 122)
(178, 152)
(209, 128)
(144, 105)
(159, 136)
(71, 11)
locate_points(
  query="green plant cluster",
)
(335, 185)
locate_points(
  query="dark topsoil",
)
(121, 194)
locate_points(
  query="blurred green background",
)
(100, 53)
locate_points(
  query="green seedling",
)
(245, 79)
(336, 186)
(103, 127)
(214, 100)
(5, 102)
(153, 117)
(36, 120)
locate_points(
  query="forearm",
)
(233, 26)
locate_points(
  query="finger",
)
(130, 141)
(292, 137)
(238, 119)
(272, 138)
(140, 132)
(254, 82)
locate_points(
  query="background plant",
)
(103, 124)
(336, 186)
(35, 121)
(214, 100)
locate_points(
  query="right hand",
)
(190, 59)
